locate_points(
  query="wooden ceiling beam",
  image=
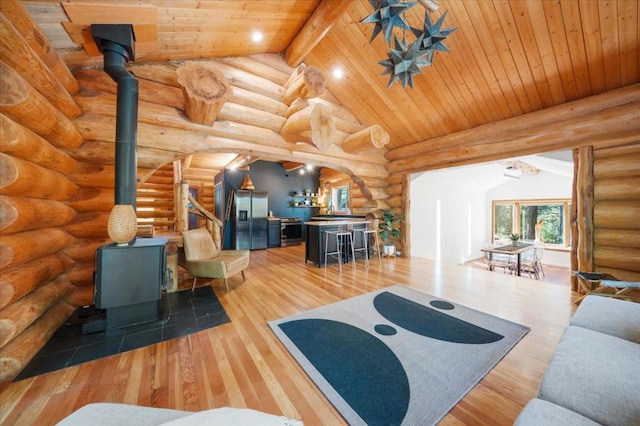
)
(320, 22)
(290, 166)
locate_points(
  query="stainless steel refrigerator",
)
(249, 225)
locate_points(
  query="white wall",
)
(464, 196)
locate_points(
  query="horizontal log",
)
(148, 91)
(163, 204)
(503, 133)
(164, 180)
(89, 225)
(25, 214)
(617, 214)
(17, 354)
(22, 279)
(616, 167)
(23, 247)
(24, 105)
(394, 189)
(157, 213)
(631, 149)
(81, 296)
(394, 202)
(623, 188)
(20, 142)
(158, 92)
(93, 199)
(164, 73)
(251, 116)
(617, 237)
(395, 178)
(357, 203)
(609, 127)
(19, 177)
(249, 81)
(15, 318)
(261, 69)
(620, 274)
(22, 21)
(84, 249)
(104, 153)
(93, 175)
(371, 138)
(81, 272)
(16, 53)
(626, 258)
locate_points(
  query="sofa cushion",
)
(227, 416)
(595, 375)
(108, 414)
(611, 316)
(539, 412)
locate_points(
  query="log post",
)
(584, 201)
(205, 91)
(373, 137)
(313, 125)
(310, 83)
(25, 105)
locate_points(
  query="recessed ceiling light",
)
(257, 36)
(338, 73)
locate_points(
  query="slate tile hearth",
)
(181, 313)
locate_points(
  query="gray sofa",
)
(594, 374)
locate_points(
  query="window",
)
(546, 221)
(340, 198)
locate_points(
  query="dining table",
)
(514, 249)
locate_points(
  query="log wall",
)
(36, 110)
(616, 211)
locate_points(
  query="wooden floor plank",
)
(242, 364)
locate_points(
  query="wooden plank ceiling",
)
(507, 58)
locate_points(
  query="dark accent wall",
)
(280, 185)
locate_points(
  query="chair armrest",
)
(620, 284)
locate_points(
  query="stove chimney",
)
(116, 42)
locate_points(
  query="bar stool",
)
(367, 232)
(340, 235)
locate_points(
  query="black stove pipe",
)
(116, 42)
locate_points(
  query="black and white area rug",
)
(396, 356)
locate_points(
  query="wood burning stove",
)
(129, 281)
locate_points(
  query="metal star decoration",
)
(405, 61)
(387, 14)
(433, 35)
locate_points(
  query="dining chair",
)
(532, 265)
(503, 261)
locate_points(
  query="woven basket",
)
(123, 224)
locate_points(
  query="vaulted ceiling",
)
(506, 58)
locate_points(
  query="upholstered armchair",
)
(205, 260)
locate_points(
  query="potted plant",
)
(389, 229)
(514, 239)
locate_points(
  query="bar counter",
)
(315, 242)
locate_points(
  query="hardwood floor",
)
(242, 364)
